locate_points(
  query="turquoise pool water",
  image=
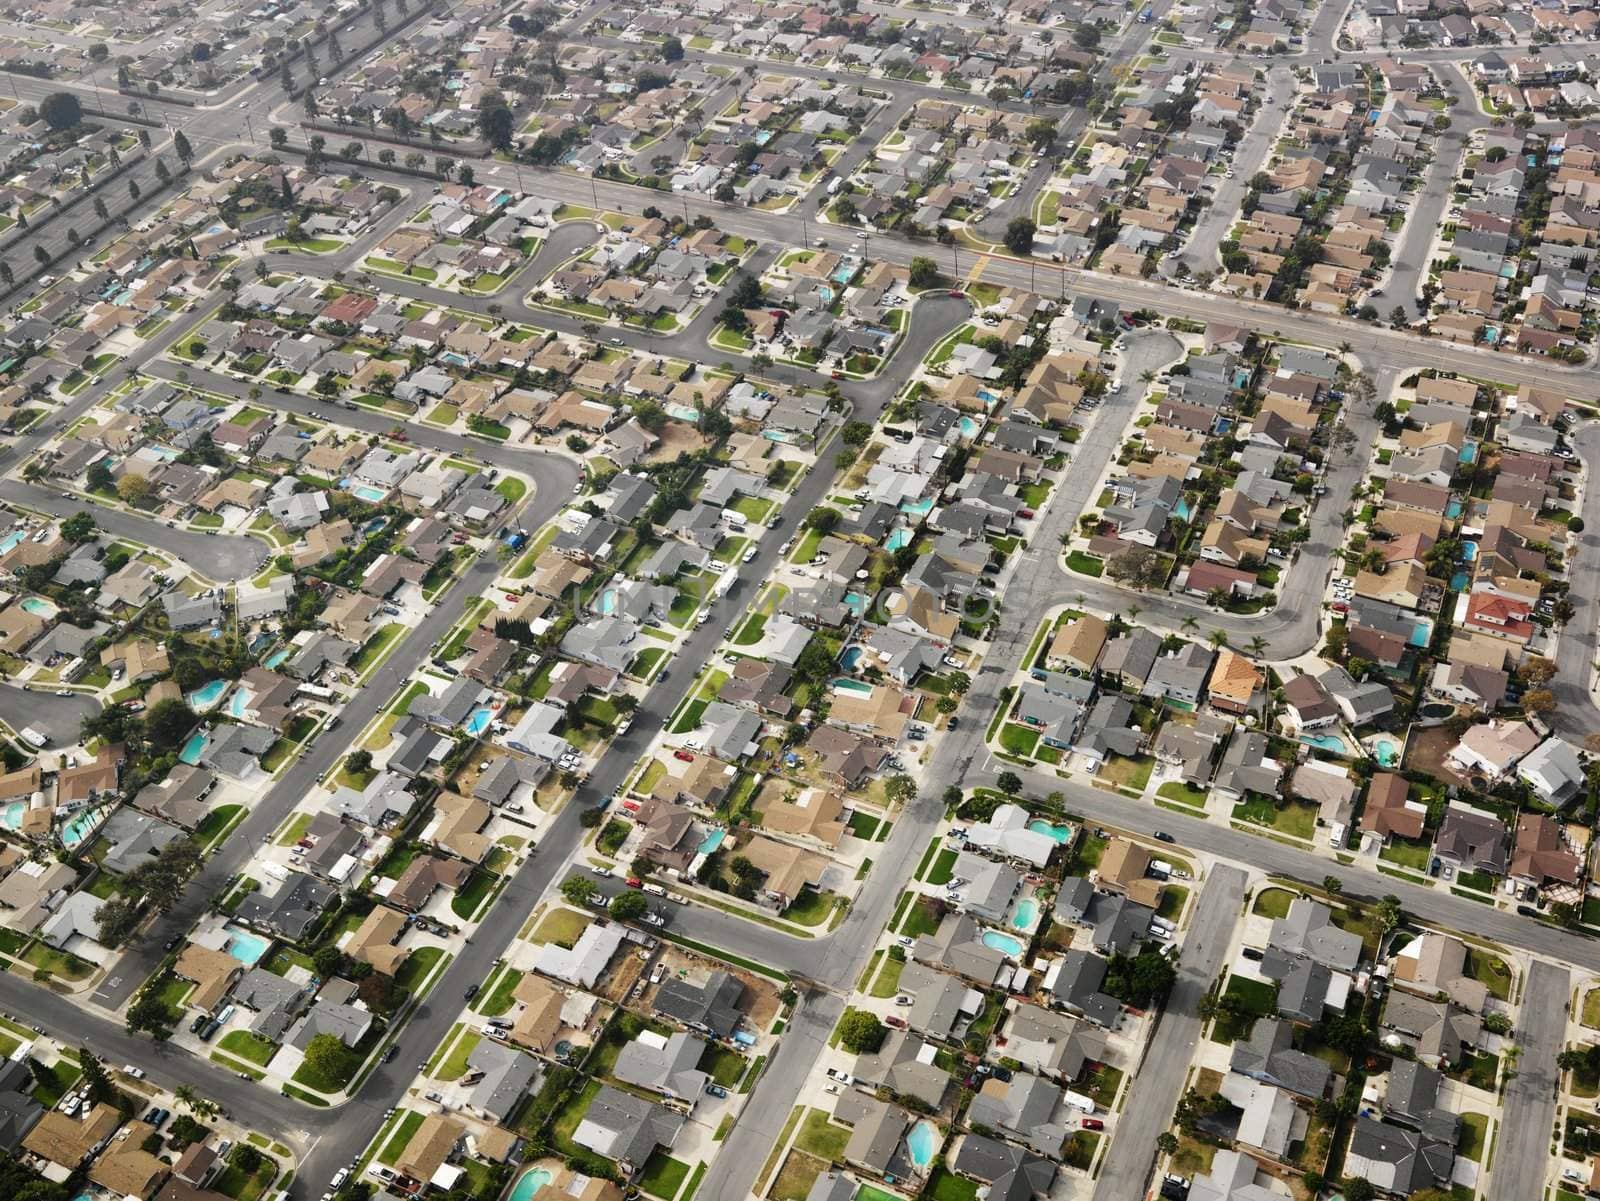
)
(843, 274)
(239, 702)
(922, 1140)
(194, 748)
(1326, 742)
(10, 541)
(969, 427)
(1004, 943)
(277, 657)
(988, 397)
(208, 695)
(1469, 552)
(826, 293)
(1059, 833)
(918, 508)
(479, 721)
(1181, 509)
(1459, 582)
(1469, 453)
(11, 815)
(529, 1183)
(366, 492)
(1420, 633)
(79, 826)
(1387, 753)
(1025, 914)
(855, 686)
(712, 841)
(39, 607)
(608, 602)
(856, 602)
(897, 539)
(683, 413)
(849, 657)
(1453, 510)
(245, 946)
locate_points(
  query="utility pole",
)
(249, 128)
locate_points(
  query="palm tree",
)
(1219, 638)
(1132, 610)
(1190, 623)
(186, 1096)
(1146, 375)
(1257, 644)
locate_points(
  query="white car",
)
(749, 556)
(903, 999)
(129, 1069)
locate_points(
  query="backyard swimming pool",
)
(1326, 742)
(194, 748)
(1386, 752)
(277, 657)
(207, 694)
(11, 815)
(1469, 453)
(849, 657)
(1469, 552)
(39, 607)
(1003, 943)
(80, 825)
(239, 702)
(918, 508)
(713, 840)
(968, 427)
(1058, 832)
(856, 686)
(245, 946)
(897, 539)
(10, 541)
(1025, 914)
(608, 601)
(366, 492)
(922, 1140)
(479, 721)
(529, 1183)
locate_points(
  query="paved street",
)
(217, 557)
(1522, 1147)
(58, 716)
(1160, 1078)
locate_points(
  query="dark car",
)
(1163, 836)
(1527, 911)
(472, 991)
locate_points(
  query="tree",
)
(860, 1032)
(327, 960)
(278, 137)
(1019, 235)
(1167, 1143)
(924, 272)
(900, 790)
(1138, 567)
(168, 723)
(328, 1059)
(577, 890)
(495, 120)
(7, 275)
(96, 1080)
(61, 110)
(43, 255)
(133, 188)
(1387, 914)
(134, 489)
(1009, 783)
(1538, 700)
(1041, 131)
(180, 144)
(117, 919)
(1332, 885)
(1359, 1188)
(79, 527)
(1575, 526)
(358, 763)
(672, 50)
(162, 171)
(628, 906)
(1536, 670)
(149, 1015)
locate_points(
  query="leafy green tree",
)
(578, 889)
(61, 110)
(1019, 235)
(168, 723)
(79, 527)
(328, 1059)
(628, 906)
(1009, 783)
(860, 1032)
(924, 272)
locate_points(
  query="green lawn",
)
(919, 919)
(725, 1066)
(1408, 853)
(1293, 818)
(821, 1137)
(943, 869)
(471, 894)
(888, 982)
(1273, 902)
(454, 1065)
(663, 1176)
(810, 908)
(501, 997)
(1085, 564)
(416, 967)
(1183, 794)
(1018, 740)
(392, 1150)
(247, 1046)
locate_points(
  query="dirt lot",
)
(676, 438)
(1426, 753)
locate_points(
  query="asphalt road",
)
(60, 717)
(1159, 1079)
(1522, 1160)
(1576, 715)
(217, 557)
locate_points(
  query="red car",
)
(1092, 1124)
(897, 1023)
(635, 882)
(684, 755)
